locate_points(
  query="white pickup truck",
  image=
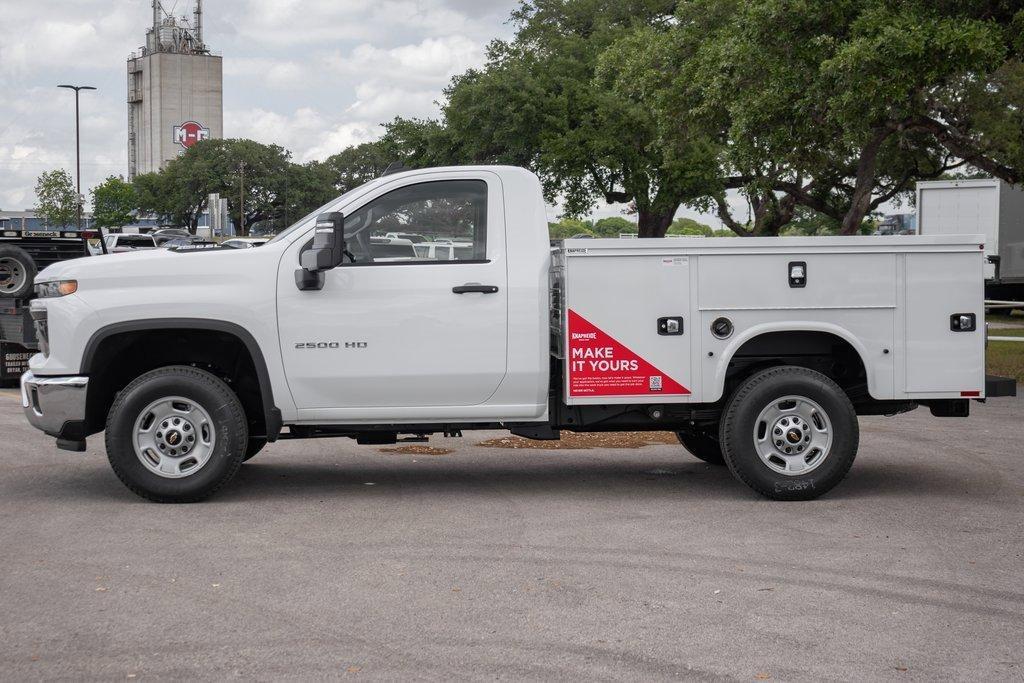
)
(758, 353)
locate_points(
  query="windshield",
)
(307, 220)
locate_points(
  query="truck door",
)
(403, 327)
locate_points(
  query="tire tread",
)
(184, 371)
(736, 403)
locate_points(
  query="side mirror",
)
(327, 251)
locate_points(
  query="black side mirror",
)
(327, 251)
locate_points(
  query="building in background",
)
(33, 222)
(175, 91)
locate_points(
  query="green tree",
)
(56, 200)
(306, 187)
(613, 226)
(359, 164)
(538, 103)
(837, 107)
(570, 227)
(113, 202)
(688, 226)
(246, 173)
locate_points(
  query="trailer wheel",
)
(176, 435)
(702, 447)
(789, 433)
(17, 272)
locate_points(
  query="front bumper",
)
(55, 405)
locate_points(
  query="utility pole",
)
(78, 162)
(241, 199)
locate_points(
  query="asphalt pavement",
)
(325, 559)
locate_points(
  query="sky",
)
(313, 76)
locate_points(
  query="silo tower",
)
(175, 91)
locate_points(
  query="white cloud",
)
(273, 73)
(313, 76)
(430, 61)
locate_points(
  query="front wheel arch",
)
(118, 353)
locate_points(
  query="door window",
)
(424, 223)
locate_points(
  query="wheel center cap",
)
(173, 438)
(794, 436)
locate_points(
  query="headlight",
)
(45, 290)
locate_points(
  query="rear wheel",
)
(17, 272)
(789, 433)
(702, 446)
(176, 435)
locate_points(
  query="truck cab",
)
(759, 354)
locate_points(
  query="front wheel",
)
(176, 435)
(789, 433)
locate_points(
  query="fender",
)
(271, 413)
(722, 368)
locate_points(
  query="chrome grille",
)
(39, 321)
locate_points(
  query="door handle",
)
(471, 287)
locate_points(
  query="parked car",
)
(245, 242)
(411, 236)
(391, 249)
(117, 244)
(181, 243)
(444, 251)
(165, 235)
(758, 353)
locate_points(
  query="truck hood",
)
(151, 263)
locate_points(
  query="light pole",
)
(241, 199)
(78, 152)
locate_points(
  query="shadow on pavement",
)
(274, 478)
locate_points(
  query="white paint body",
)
(409, 350)
(986, 206)
(890, 297)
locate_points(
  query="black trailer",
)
(23, 253)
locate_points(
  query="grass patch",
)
(1012, 318)
(1006, 332)
(1005, 358)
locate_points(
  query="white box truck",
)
(758, 353)
(988, 207)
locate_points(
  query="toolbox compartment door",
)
(941, 360)
(628, 329)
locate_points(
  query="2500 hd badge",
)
(331, 345)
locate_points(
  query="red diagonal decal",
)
(601, 366)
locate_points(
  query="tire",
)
(254, 446)
(789, 408)
(702, 447)
(155, 416)
(17, 272)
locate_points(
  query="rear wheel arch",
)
(125, 342)
(767, 346)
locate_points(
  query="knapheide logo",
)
(189, 133)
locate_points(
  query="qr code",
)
(654, 383)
